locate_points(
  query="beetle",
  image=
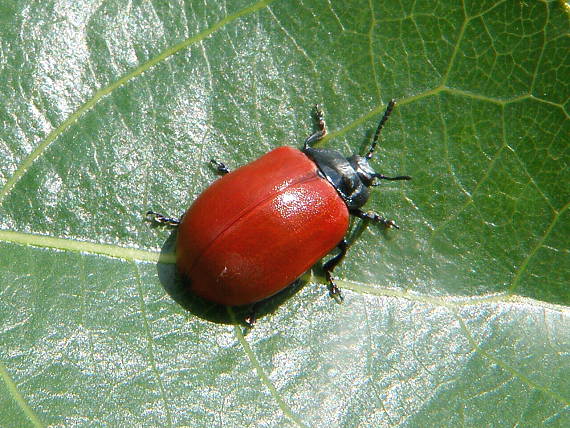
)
(255, 230)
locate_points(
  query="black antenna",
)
(387, 113)
(384, 177)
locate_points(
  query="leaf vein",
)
(101, 93)
(261, 373)
(539, 244)
(514, 372)
(18, 397)
(150, 349)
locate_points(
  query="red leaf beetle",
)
(257, 229)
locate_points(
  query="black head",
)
(352, 176)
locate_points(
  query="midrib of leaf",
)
(97, 96)
(68, 244)
(148, 256)
(449, 302)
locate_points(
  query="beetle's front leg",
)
(329, 266)
(376, 218)
(163, 220)
(321, 128)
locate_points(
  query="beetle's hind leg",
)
(162, 220)
(329, 266)
(321, 127)
(220, 167)
(251, 317)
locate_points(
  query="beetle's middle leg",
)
(173, 221)
(329, 266)
(374, 217)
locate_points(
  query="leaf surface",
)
(459, 318)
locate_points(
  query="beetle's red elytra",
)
(240, 247)
(258, 228)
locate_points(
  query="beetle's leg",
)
(384, 177)
(321, 125)
(220, 167)
(330, 265)
(376, 218)
(251, 317)
(160, 219)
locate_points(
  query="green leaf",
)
(110, 109)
